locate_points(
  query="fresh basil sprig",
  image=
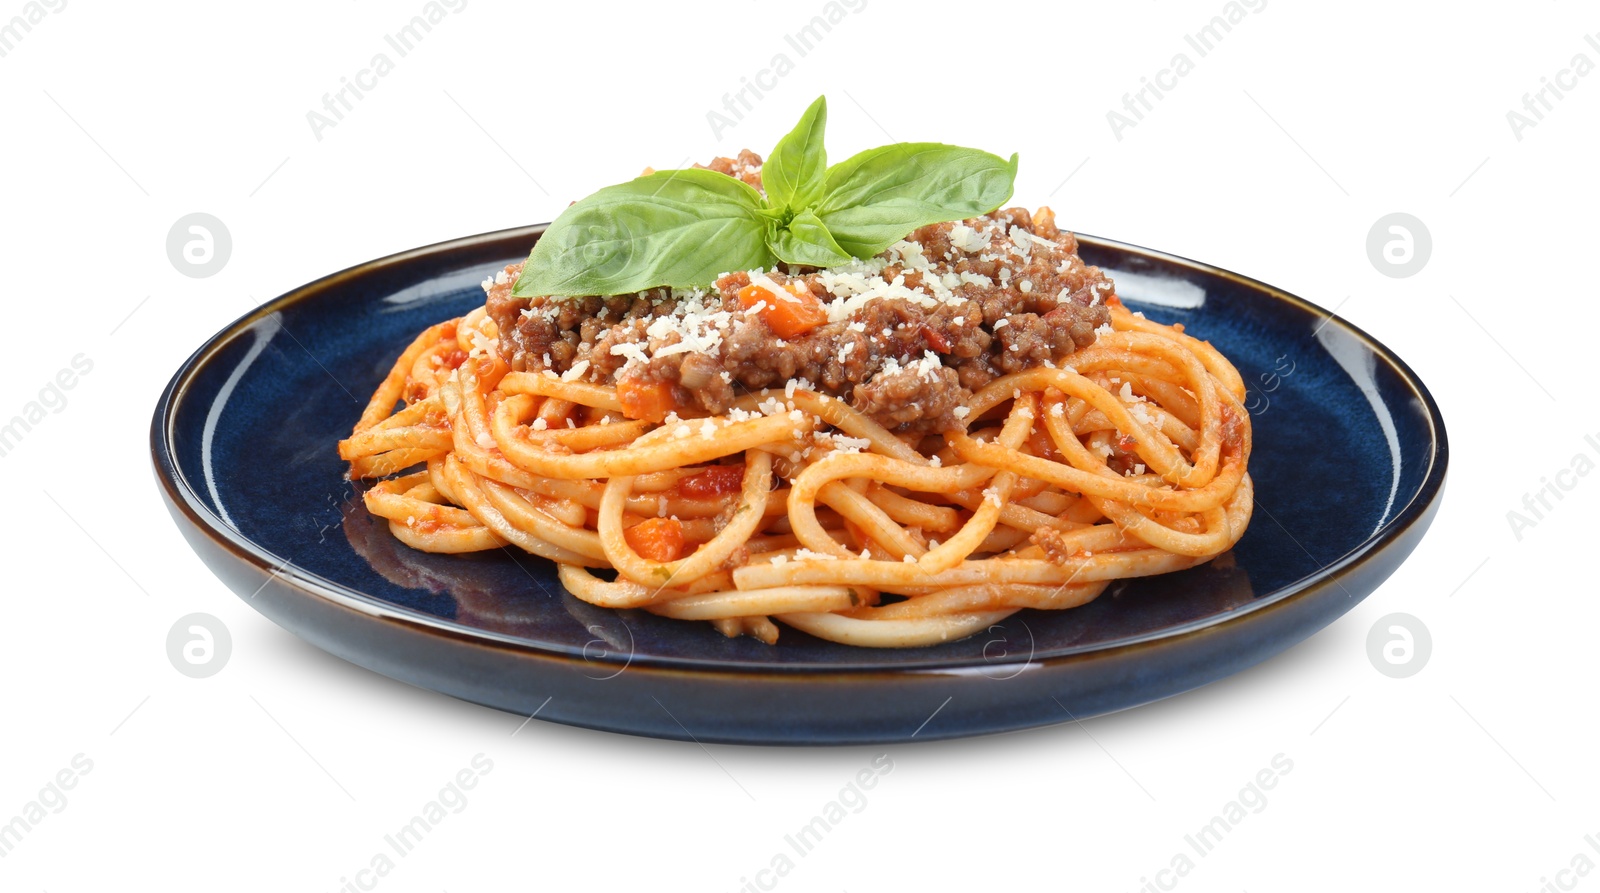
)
(682, 228)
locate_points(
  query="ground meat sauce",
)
(910, 334)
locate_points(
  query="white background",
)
(1273, 157)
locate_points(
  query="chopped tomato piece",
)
(650, 401)
(656, 539)
(788, 315)
(1043, 446)
(936, 339)
(717, 480)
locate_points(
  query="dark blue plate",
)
(1349, 464)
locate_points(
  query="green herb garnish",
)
(683, 228)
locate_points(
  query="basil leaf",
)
(672, 228)
(807, 241)
(873, 199)
(792, 175)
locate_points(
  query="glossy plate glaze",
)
(1349, 464)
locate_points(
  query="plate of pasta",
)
(769, 450)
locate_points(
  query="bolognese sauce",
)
(905, 337)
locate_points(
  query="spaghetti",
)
(1124, 458)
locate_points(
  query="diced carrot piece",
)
(650, 401)
(787, 315)
(656, 539)
(718, 480)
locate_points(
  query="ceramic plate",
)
(1349, 463)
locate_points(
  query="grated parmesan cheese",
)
(967, 239)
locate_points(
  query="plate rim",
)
(179, 493)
